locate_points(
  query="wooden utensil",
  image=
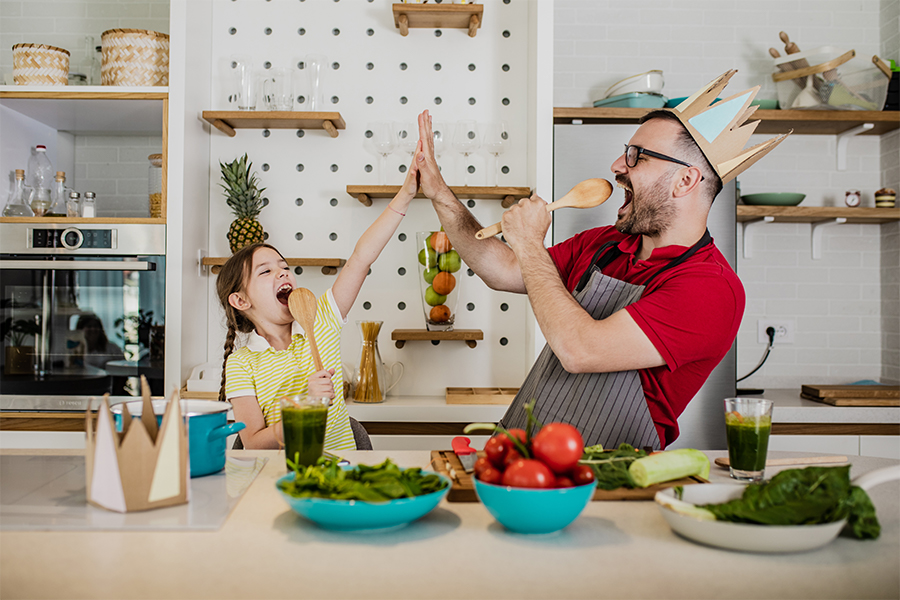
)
(302, 304)
(786, 462)
(882, 66)
(587, 194)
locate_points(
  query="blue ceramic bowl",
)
(526, 510)
(354, 515)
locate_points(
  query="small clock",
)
(852, 198)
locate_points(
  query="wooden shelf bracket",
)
(817, 235)
(844, 138)
(745, 227)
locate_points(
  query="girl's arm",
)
(256, 435)
(372, 242)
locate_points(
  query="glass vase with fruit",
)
(439, 265)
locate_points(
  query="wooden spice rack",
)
(228, 121)
(470, 336)
(507, 195)
(329, 265)
(438, 16)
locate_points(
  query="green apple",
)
(449, 261)
(430, 274)
(427, 257)
(433, 298)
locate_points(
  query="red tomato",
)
(511, 457)
(563, 482)
(491, 475)
(559, 446)
(582, 474)
(496, 448)
(519, 434)
(481, 464)
(529, 473)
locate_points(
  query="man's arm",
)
(492, 260)
(582, 344)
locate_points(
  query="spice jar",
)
(154, 185)
(73, 205)
(89, 206)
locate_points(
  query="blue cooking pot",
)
(207, 425)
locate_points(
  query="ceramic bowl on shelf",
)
(650, 81)
(527, 510)
(633, 100)
(773, 199)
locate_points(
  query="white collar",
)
(258, 343)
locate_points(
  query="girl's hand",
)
(411, 184)
(320, 384)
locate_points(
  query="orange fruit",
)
(440, 242)
(440, 313)
(443, 283)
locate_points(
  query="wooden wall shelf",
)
(508, 195)
(76, 221)
(329, 265)
(807, 122)
(815, 214)
(229, 120)
(438, 16)
(469, 336)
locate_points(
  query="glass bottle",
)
(17, 204)
(154, 184)
(40, 178)
(73, 205)
(370, 379)
(89, 206)
(59, 195)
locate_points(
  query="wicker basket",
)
(134, 57)
(40, 64)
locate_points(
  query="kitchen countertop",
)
(614, 550)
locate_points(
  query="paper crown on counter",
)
(145, 466)
(720, 130)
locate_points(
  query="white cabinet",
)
(827, 444)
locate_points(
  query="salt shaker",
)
(73, 205)
(88, 207)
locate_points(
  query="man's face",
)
(648, 208)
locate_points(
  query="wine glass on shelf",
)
(466, 141)
(496, 140)
(381, 141)
(439, 135)
(407, 138)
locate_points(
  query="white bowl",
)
(651, 81)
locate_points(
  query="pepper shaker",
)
(89, 207)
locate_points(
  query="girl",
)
(253, 287)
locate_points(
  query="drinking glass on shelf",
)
(407, 138)
(466, 141)
(439, 135)
(277, 91)
(246, 82)
(315, 66)
(380, 141)
(496, 140)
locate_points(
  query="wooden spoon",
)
(784, 462)
(587, 194)
(302, 304)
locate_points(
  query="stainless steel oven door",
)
(82, 314)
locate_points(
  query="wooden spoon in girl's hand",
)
(302, 304)
(587, 194)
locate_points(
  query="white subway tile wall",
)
(845, 305)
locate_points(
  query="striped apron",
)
(607, 408)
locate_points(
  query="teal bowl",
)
(527, 510)
(356, 515)
(773, 199)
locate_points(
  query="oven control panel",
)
(72, 238)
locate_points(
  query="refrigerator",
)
(584, 151)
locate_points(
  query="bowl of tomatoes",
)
(534, 484)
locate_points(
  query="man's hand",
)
(430, 178)
(526, 222)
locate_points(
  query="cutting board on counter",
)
(480, 395)
(463, 489)
(852, 395)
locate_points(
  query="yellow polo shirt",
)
(257, 369)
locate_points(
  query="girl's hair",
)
(92, 320)
(231, 280)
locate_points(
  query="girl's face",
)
(267, 287)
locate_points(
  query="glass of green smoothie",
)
(303, 419)
(748, 422)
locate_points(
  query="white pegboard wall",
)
(378, 75)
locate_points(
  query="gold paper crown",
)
(719, 128)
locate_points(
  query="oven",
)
(82, 311)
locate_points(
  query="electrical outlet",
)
(784, 330)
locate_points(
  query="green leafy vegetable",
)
(804, 497)
(378, 483)
(611, 466)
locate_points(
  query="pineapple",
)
(245, 200)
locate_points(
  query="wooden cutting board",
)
(852, 391)
(854, 401)
(480, 395)
(463, 489)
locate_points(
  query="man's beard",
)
(651, 213)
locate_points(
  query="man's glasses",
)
(632, 153)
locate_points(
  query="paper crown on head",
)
(720, 130)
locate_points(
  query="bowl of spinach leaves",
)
(795, 511)
(363, 497)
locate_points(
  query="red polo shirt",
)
(691, 313)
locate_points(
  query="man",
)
(637, 315)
